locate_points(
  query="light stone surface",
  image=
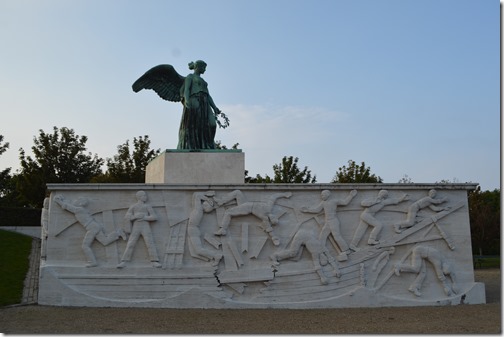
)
(33, 231)
(203, 167)
(258, 246)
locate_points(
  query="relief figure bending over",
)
(319, 253)
(442, 267)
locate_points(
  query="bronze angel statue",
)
(198, 123)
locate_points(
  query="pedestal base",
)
(202, 167)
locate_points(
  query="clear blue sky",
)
(408, 87)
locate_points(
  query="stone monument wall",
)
(257, 246)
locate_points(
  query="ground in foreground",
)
(477, 319)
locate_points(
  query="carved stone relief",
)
(251, 247)
(419, 256)
(94, 229)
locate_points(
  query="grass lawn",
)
(486, 262)
(14, 262)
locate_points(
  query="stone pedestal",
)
(202, 167)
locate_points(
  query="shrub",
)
(20, 216)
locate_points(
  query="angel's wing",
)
(164, 80)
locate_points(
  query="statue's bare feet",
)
(354, 248)
(415, 291)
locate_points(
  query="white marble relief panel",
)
(245, 246)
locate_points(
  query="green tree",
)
(355, 174)
(258, 179)
(287, 172)
(3, 146)
(5, 176)
(448, 181)
(9, 196)
(405, 180)
(7, 181)
(220, 146)
(484, 214)
(59, 157)
(128, 166)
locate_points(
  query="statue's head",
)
(199, 66)
(383, 194)
(141, 195)
(432, 193)
(325, 194)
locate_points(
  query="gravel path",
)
(477, 319)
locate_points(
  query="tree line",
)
(62, 157)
